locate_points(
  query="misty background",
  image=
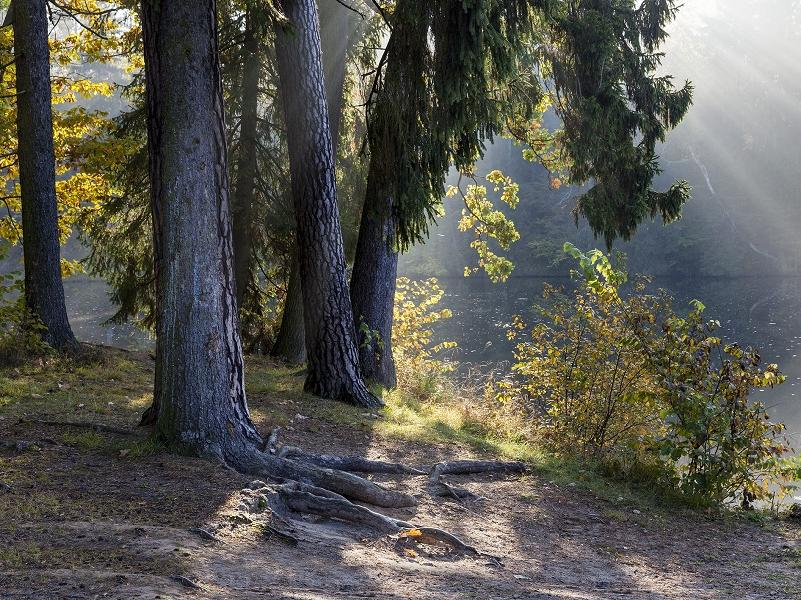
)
(737, 247)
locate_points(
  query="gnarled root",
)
(321, 485)
(343, 483)
(313, 500)
(438, 537)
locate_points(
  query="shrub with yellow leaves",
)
(419, 362)
(622, 380)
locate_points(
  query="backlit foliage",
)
(83, 31)
(621, 378)
(416, 314)
(480, 217)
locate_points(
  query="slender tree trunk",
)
(290, 345)
(246, 169)
(200, 373)
(330, 335)
(44, 290)
(335, 23)
(372, 284)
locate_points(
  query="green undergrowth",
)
(113, 387)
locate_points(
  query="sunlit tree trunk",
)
(200, 376)
(333, 369)
(335, 22)
(44, 290)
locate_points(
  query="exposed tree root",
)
(438, 537)
(322, 485)
(437, 487)
(357, 464)
(341, 482)
(308, 499)
(312, 500)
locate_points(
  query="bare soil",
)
(86, 515)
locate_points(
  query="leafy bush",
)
(419, 363)
(624, 380)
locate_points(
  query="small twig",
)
(206, 535)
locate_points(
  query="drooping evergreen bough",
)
(615, 109)
(457, 73)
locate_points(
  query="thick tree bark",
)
(372, 284)
(201, 404)
(246, 168)
(335, 24)
(44, 290)
(333, 367)
(200, 374)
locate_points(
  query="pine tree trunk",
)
(372, 284)
(44, 290)
(290, 345)
(333, 367)
(246, 169)
(335, 23)
(200, 373)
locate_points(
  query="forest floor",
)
(102, 514)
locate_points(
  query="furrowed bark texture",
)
(333, 368)
(335, 23)
(246, 168)
(375, 268)
(200, 374)
(44, 290)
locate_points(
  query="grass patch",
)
(437, 422)
(88, 440)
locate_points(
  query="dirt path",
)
(99, 522)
